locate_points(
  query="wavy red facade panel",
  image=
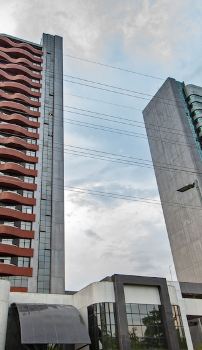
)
(12, 270)
(18, 87)
(18, 130)
(19, 289)
(14, 168)
(18, 143)
(7, 231)
(16, 52)
(15, 198)
(14, 70)
(14, 106)
(4, 39)
(7, 213)
(20, 61)
(9, 153)
(12, 182)
(19, 120)
(12, 250)
(19, 97)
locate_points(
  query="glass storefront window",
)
(102, 327)
(145, 326)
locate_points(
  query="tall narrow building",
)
(32, 164)
(173, 120)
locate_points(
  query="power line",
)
(105, 102)
(114, 67)
(128, 197)
(128, 160)
(122, 159)
(131, 122)
(120, 88)
(121, 132)
(120, 93)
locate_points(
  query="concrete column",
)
(4, 303)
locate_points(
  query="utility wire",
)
(113, 67)
(128, 197)
(121, 88)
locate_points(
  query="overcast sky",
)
(155, 37)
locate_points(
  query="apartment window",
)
(32, 141)
(27, 209)
(33, 108)
(26, 225)
(6, 241)
(32, 119)
(32, 130)
(29, 179)
(9, 223)
(23, 262)
(31, 153)
(28, 194)
(5, 260)
(29, 166)
(25, 243)
(34, 90)
(102, 326)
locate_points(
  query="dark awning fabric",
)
(51, 324)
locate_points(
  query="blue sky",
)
(160, 38)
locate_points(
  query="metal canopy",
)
(51, 324)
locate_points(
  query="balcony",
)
(7, 231)
(9, 153)
(13, 214)
(13, 168)
(13, 250)
(12, 270)
(14, 182)
(15, 198)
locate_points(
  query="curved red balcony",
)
(14, 73)
(10, 42)
(12, 182)
(19, 289)
(7, 231)
(18, 143)
(18, 130)
(15, 198)
(19, 119)
(13, 106)
(13, 168)
(19, 97)
(17, 87)
(17, 53)
(12, 270)
(12, 250)
(10, 214)
(9, 153)
(20, 61)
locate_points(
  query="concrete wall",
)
(177, 159)
(142, 295)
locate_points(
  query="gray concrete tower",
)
(173, 120)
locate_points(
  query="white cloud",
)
(150, 28)
(126, 237)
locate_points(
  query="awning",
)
(51, 324)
